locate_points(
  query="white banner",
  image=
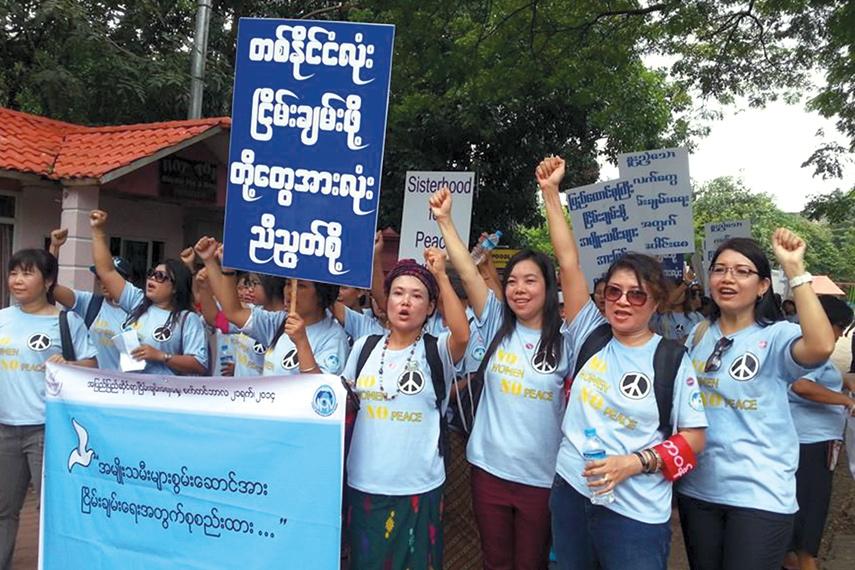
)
(418, 226)
(663, 198)
(605, 224)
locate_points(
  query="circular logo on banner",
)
(258, 348)
(544, 362)
(324, 402)
(745, 367)
(290, 360)
(39, 342)
(635, 385)
(411, 382)
(161, 334)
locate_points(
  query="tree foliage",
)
(488, 85)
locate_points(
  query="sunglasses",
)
(635, 297)
(158, 275)
(714, 361)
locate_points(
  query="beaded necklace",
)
(410, 365)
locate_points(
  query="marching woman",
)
(614, 513)
(30, 335)
(395, 466)
(172, 336)
(517, 428)
(737, 508)
(307, 341)
(100, 311)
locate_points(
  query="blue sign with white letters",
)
(306, 152)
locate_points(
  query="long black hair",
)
(766, 310)
(40, 259)
(551, 341)
(273, 287)
(182, 295)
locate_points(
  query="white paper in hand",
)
(126, 342)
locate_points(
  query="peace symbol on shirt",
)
(544, 362)
(745, 367)
(258, 348)
(411, 382)
(161, 334)
(635, 385)
(39, 342)
(290, 360)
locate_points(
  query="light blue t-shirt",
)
(752, 450)
(248, 353)
(395, 447)
(614, 394)
(326, 337)
(26, 342)
(675, 325)
(107, 324)
(817, 422)
(518, 426)
(359, 324)
(186, 336)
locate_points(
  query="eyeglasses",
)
(714, 361)
(249, 284)
(635, 297)
(740, 272)
(158, 275)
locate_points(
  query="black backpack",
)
(93, 309)
(666, 364)
(436, 374)
(65, 338)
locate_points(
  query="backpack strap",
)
(93, 309)
(596, 341)
(437, 375)
(65, 338)
(666, 363)
(700, 331)
(370, 342)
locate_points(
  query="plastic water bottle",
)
(482, 250)
(594, 450)
(225, 356)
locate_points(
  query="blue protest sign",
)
(306, 152)
(164, 472)
(672, 265)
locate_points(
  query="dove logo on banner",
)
(170, 472)
(306, 149)
(80, 455)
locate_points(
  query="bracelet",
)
(167, 357)
(651, 460)
(642, 459)
(801, 280)
(309, 369)
(658, 460)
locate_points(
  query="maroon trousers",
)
(513, 520)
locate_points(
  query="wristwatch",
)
(801, 280)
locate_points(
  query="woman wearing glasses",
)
(737, 508)
(172, 336)
(615, 513)
(395, 470)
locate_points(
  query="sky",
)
(765, 148)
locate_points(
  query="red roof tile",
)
(58, 150)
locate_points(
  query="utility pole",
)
(197, 62)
